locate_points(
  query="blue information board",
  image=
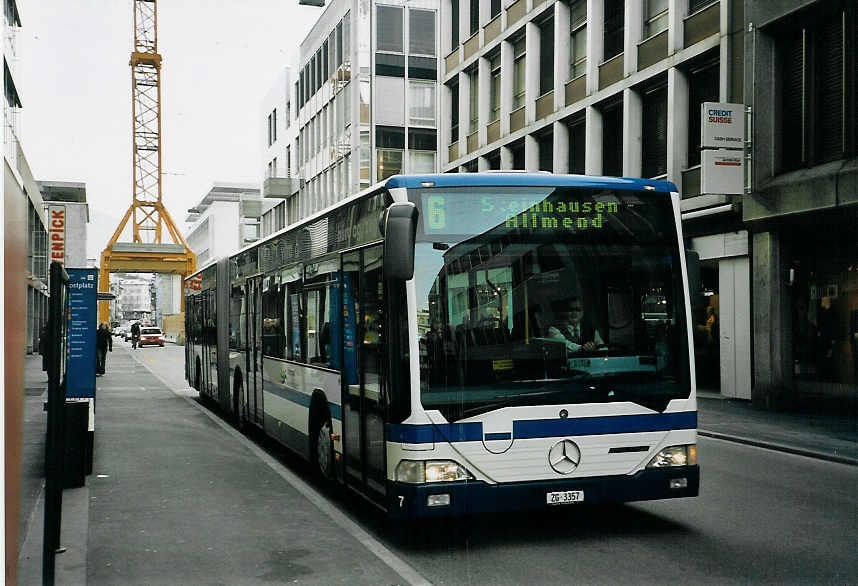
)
(83, 322)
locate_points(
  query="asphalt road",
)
(761, 517)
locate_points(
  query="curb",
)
(780, 447)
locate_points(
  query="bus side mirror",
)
(399, 227)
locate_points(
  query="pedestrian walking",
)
(135, 334)
(103, 344)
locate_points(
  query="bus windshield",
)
(546, 295)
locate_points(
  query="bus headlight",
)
(675, 456)
(420, 472)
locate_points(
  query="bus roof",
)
(518, 179)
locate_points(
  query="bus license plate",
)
(564, 497)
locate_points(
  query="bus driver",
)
(570, 327)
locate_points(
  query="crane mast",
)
(147, 252)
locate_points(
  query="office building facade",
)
(606, 87)
(366, 98)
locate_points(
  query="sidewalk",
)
(825, 434)
(178, 497)
(161, 508)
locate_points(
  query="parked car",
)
(151, 336)
(119, 331)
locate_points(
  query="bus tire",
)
(321, 444)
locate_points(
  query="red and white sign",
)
(722, 171)
(57, 233)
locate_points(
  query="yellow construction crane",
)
(147, 253)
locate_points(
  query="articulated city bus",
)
(457, 343)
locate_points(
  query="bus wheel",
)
(323, 447)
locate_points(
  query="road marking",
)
(393, 561)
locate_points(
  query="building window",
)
(390, 137)
(422, 68)
(655, 17)
(817, 76)
(475, 16)
(612, 140)
(517, 151)
(697, 5)
(494, 8)
(577, 145)
(421, 103)
(454, 24)
(421, 161)
(654, 128)
(518, 73)
(272, 127)
(454, 112)
(288, 161)
(280, 216)
(389, 29)
(703, 83)
(473, 100)
(545, 144)
(578, 43)
(389, 163)
(494, 88)
(546, 57)
(614, 24)
(421, 25)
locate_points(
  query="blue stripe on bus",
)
(604, 425)
(526, 180)
(497, 436)
(536, 428)
(298, 397)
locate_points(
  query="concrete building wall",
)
(802, 209)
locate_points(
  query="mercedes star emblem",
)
(564, 456)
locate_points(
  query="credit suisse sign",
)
(722, 125)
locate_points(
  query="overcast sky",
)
(220, 58)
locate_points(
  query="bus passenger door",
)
(363, 383)
(254, 350)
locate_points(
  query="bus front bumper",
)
(412, 501)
